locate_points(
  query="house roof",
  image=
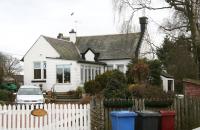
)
(118, 46)
(66, 49)
(166, 75)
(114, 47)
(193, 81)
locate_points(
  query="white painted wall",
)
(146, 49)
(89, 56)
(117, 62)
(51, 72)
(165, 83)
(39, 51)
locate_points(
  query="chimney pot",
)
(60, 36)
(72, 36)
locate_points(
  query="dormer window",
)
(90, 55)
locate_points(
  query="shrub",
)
(74, 94)
(92, 87)
(103, 79)
(116, 86)
(5, 95)
(111, 83)
(155, 72)
(115, 89)
(2, 103)
(118, 103)
(142, 91)
(79, 91)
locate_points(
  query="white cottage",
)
(63, 63)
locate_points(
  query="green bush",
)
(155, 72)
(2, 103)
(118, 103)
(73, 94)
(92, 87)
(8, 86)
(103, 79)
(111, 83)
(116, 86)
(5, 95)
(3, 85)
(142, 91)
(115, 89)
(79, 91)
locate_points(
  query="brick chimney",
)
(143, 24)
(72, 36)
(143, 27)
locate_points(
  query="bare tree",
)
(186, 18)
(12, 66)
(9, 66)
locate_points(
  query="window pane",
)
(82, 74)
(110, 67)
(120, 68)
(85, 74)
(67, 75)
(170, 85)
(89, 73)
(44, 65)
(37, 65)
(59, 75)
(37, 73)
(45, 75)
(99, 70)
(92, 73)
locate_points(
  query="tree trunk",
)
(196, 41)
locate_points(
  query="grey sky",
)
(23, 21)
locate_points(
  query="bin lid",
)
(123, 113)
(148, 113)
(167, 113)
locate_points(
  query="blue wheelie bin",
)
(123, 120)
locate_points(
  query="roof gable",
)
(36, 49)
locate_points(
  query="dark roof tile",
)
(118, 46)
(67, 50)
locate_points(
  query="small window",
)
(86, 74)
(120, 68)
(82, 74)
(63, 74)
(89, 73)
(110, 67)
(44, 70)
(99, 70)
(37, 70)
(93, 74)
(170, 83)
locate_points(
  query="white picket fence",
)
(59, 117)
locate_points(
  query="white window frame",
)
(43, 66)
(63, 66)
